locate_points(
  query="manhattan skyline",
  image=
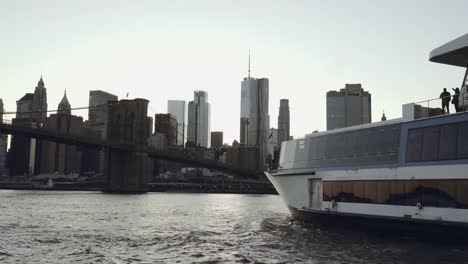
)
(164, 51)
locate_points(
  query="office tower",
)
(97, 114)
(199, 120)
(21, 158)
(56, 157)
(24, 106)
(166, 124)
(255, 120)
(349, 106)
(97, 122)
(283, 122)
(216, 139)
(179, 110)
(39, 102)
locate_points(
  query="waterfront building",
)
(216, 139)
(348, 107)
(179, 110)
(283, 122)
(166, 124)
(199, 126)
(39, 102)
(255, 120)
(97, 122)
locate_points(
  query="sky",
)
(161, 50)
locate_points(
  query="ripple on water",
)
(181, 228)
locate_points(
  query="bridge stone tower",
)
(128, 125)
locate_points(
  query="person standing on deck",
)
(455, 99)
(445, 96)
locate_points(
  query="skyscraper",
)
(283, 121)
(255, 120)
(97, 114)
(348, 107)
(178, 109)
(39, 102)
(97, 122)
(199, 120)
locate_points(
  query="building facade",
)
(166, 124)
(39, 102)
(255, 120)
(217, 139)
(56, 157)
(349, 106)
(24, 106)
(283, 122)
(199, 126)
(97, 122)
(179, 110)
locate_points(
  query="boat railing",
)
(434, 106)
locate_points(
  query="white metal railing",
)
(434, 107)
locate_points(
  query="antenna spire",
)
(249, 64)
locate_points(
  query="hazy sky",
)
(164, 50)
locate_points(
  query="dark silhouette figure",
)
(445, 96)
(455, 100)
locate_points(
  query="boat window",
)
(366, 146)
(448, 142)
(430, 145)
(463, 141)
(414, 146)
(441, 142)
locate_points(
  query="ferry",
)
(410, 172)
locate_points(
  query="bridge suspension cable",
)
(52, 111)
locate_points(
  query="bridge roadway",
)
(91, 142)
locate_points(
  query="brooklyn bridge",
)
(126, 148)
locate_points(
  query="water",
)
(91, 227)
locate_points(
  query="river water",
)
(92, 227)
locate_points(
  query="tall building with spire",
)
(39, 102)
(64, 106)
(56, 157)
(254, 116)
(283, 121)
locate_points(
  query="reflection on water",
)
(91, 227)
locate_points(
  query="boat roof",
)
(454, 52)
(356, 127)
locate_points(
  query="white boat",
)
(409, 172)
